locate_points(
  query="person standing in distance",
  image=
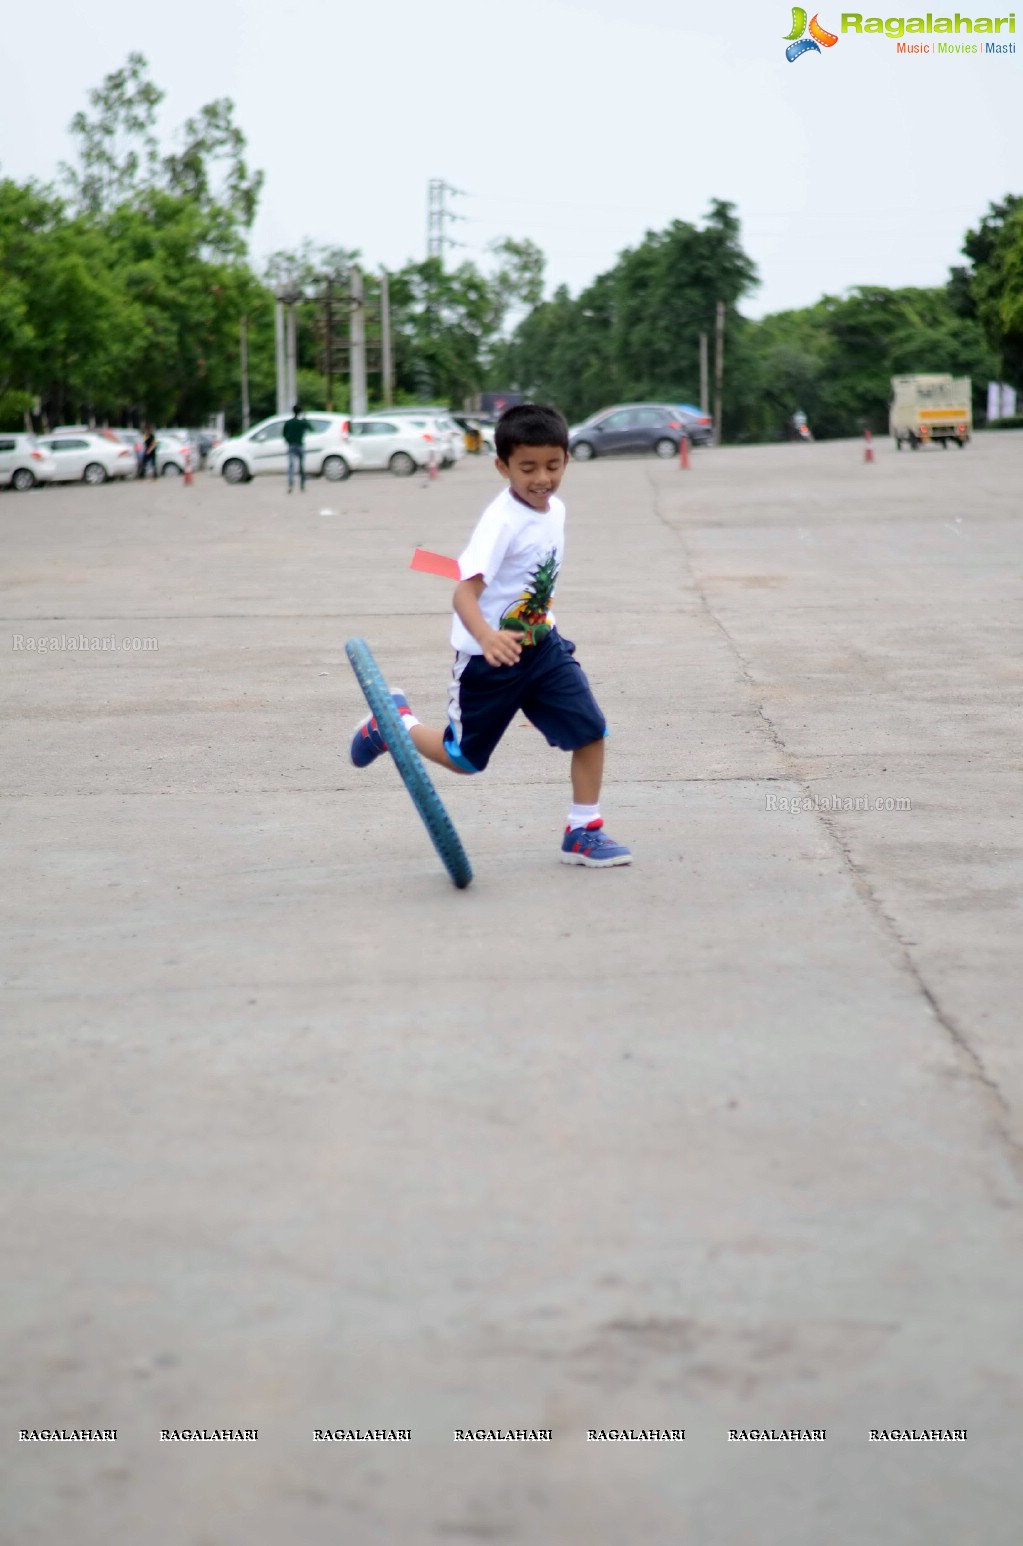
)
(148, 457)
(295, 430)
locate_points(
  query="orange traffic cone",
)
(868, 454)
(683, 452)
(188, 466)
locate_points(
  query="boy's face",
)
(535, 473)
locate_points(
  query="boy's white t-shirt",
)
(518, 551)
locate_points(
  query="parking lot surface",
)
(298, 1137)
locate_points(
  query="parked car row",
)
(26, 460)
(336, 445)
(398, 440)
(73, 453)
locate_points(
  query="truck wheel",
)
(898, 442)
(914, 441)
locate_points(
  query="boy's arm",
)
(500, 648)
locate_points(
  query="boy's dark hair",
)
(530, 424)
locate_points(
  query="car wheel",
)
(402, 465)
(235, 471)
(171, 470)
(335, 469)
(582, 451)
(94, 474)
(23, 479)
(665, 448)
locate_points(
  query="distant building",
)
(497, 402)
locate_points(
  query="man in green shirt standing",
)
(295, 430)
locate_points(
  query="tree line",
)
(127, 286)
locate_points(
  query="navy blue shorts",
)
(547, 683)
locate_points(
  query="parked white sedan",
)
(400, 445)
(328, 450)
(88, 458)
(24, 462)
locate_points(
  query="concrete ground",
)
(297, 1136)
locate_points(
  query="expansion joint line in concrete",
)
(967, 1054)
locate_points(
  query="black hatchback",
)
(629, 427)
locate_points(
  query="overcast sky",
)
(578, 123)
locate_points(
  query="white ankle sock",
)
(582, 815)
(408, 719)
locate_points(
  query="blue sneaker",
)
(367, 742)
(591, 846)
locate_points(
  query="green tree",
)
(991, 289)
(634, 332)
(118, 152)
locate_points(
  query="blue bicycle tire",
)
(409, 763)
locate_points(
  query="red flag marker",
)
(435, 563)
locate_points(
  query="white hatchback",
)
(450, 437)
(88, 458)
(400, 445)
(24, 462)
(328, 450)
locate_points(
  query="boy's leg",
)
(368, 743)
(588, 773)
(563, 708)
(429, 743)
(482, 700)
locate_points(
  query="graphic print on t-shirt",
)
(530, 614)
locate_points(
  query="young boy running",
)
(508, 653)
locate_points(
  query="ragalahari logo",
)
(797, 40)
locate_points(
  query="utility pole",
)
(437, 217)
(719, 369)
(704, 393)
(386, 364)
(282, 385)
(245, 373)
(358, 343)
(292, 388)
(329, 344)
(287, 348)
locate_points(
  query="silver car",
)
(24, 462)
(88, 458)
